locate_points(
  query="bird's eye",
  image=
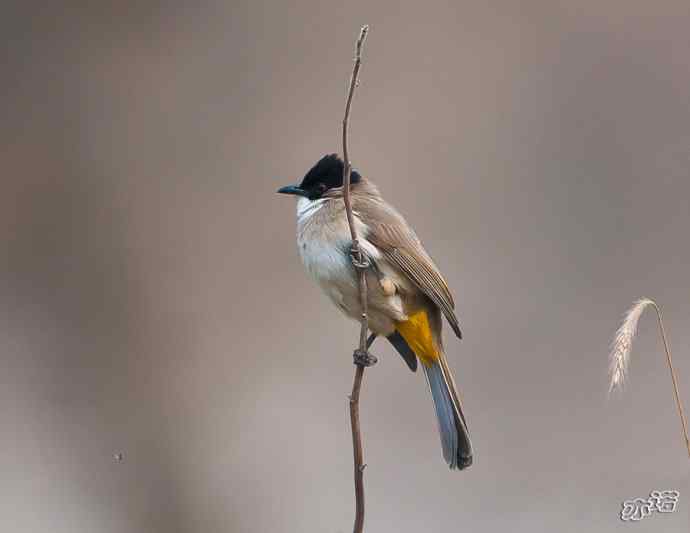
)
(317, 190)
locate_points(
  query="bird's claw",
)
(364, 358)
(359, 259)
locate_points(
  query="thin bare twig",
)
(360, 263)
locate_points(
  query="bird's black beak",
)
(292, 189)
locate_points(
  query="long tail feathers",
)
(414, 339)
(455, 439)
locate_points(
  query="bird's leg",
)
(365, 358)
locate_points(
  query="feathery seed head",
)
(619, 358)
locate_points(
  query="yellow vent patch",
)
(417, 334)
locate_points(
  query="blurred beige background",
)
(152, 302)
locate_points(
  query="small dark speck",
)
(119, 457)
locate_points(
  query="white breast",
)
(321, 244)
(324, 245)
(324, 241)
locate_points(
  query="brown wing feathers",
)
(391, 234)
(429, 281)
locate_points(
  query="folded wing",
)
(396, 240)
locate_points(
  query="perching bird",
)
(406, 293)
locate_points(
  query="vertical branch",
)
(357, 451)
(360, 263)
(679, 405)
(347, 170)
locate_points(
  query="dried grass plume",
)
(619, 358)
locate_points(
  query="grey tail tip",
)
(455, 440)
(463, 462)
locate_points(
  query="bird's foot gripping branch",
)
(364, 358)
(359, 259)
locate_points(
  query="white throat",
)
(306, 208)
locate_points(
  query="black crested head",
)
(326, 174)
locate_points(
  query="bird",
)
(407, 296)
